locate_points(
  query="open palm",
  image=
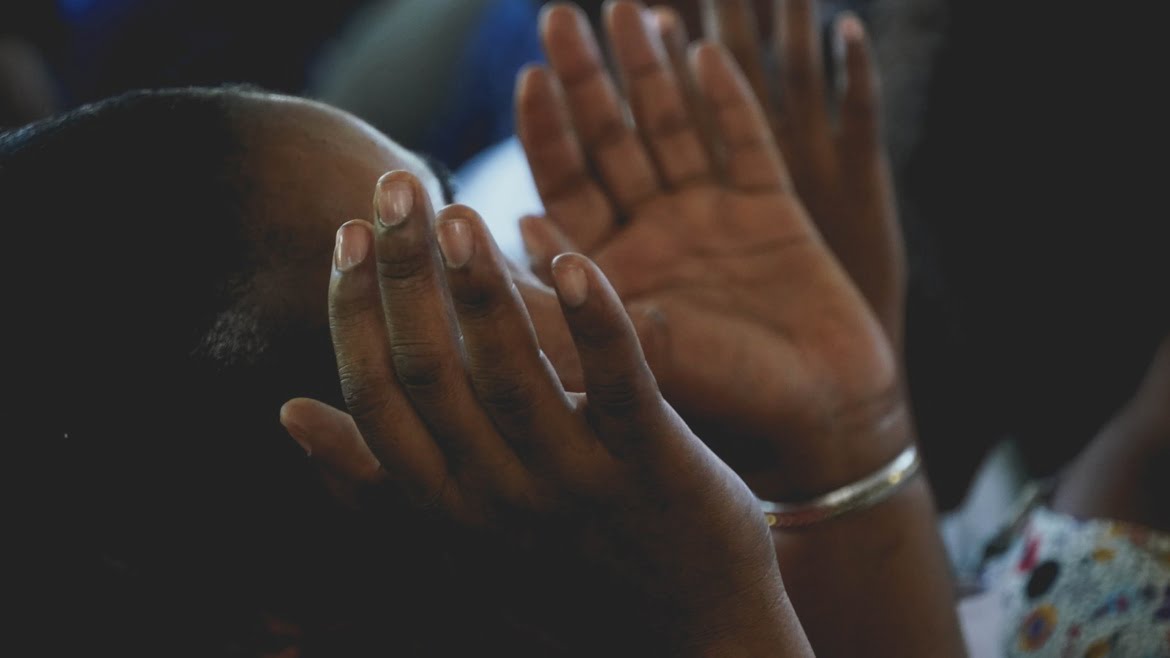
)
(752, 327)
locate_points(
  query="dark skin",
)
(755, 329)
(1122, 473)
(451, 394)
(750, 324)
(717, 261)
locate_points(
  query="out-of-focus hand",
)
(830, 138)
(453, 400)
(752, 327)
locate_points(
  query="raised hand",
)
(753, 329)
(452, 400)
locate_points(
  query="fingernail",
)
(297, 432)
(353, 244)
(850, 29)
(395, 201)
(455, 242)
(662, 20)
(572, 286)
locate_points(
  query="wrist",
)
(836, 454)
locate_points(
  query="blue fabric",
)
(478, 111)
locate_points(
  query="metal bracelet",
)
(861, 494)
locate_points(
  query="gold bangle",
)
(866, 492)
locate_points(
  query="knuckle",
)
(669, 122)
(620, 396)
(600, 335)
(608, 132)
(508, 393)
(365, 399)
(420, 368)
(477, 301)
(404, 270)
(348, 317)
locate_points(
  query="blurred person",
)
(1088, 571)
(456, 59)
(101, 48)
(1008, 289)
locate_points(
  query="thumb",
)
(332, 439)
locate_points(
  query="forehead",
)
(319, 162)
(310, 168)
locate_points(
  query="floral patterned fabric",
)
(1090, 589)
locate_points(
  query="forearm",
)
(1121, 474)
(875, 582)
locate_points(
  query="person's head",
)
(174, 247)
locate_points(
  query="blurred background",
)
(1027, 139)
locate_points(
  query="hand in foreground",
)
(452, 400)
(752, 328)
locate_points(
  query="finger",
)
(375, 399)
(733, 24)
(333, 440)
(673, 33)
(512, 379)
(656, 98)
(348, 468)
(622, 394)
(803, 100)
(860, 123)
(869, 241)
(599, 118)
(566, 187)
(543, 241)
(751, 159)
(424, 340)
(555, 341)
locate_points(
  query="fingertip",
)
(545, 17)
(352, 245)
(534, 94)
(608, 8)
(571, 279)
(714, 68)
(293, 416)
(456, 241)
(665, 18)
(850, 29)
(705, 54)
(531, 73)
(557, 16)
(623, 10)
(396, 197)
